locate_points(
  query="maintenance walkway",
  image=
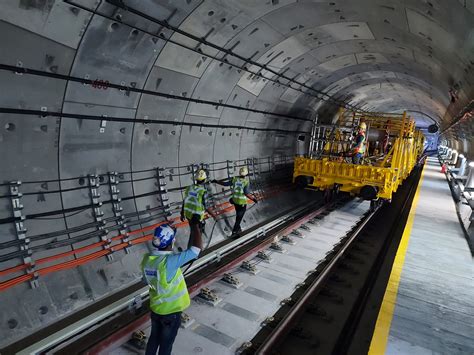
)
(428, 306)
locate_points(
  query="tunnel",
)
(110, 107)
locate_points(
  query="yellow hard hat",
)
(363, 126)
(243, 171)
(201, 175)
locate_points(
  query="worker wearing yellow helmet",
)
(240, 193)
(194, 205)
(358, 148)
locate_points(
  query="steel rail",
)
(292, 316)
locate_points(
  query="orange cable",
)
(98, 254)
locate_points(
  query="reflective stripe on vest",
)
(359, 147)
(362, 145)
(238, 187)
(193, 201)
(165, 297)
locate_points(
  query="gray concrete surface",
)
(434, 313)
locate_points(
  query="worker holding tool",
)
(194, 205)
(240, 193)
(169, 295)
(358, 148)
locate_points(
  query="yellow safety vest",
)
(193, 201)
(165, 297)
(238, 187)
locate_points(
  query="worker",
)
(194, 205)
(358, 149)
(240, 193)
(169, 295)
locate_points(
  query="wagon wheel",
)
(374, 204)
(328, 195)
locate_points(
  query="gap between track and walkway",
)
(384, 319)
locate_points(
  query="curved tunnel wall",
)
(377, 55)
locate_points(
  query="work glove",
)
(183, 218)
(255, 201)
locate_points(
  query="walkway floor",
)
(428, 307)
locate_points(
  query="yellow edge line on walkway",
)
(384, 319)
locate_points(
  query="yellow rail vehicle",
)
(379, 174)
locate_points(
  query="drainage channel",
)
(324, 314)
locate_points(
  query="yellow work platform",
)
(377, 177)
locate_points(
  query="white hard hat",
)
(201, 175)
(243, 171)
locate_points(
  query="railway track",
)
(324, 316)
(118, 316)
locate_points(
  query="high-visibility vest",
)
(193, 201)
(362, 145)
(360, 148)
(165, 297)
(238, 187)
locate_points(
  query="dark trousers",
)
(163, 332)
(196, 226)
(240, 211)
(357, 158)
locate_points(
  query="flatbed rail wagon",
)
(383, 167)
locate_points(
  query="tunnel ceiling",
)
(376, 55)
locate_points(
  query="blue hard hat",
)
(163, 236)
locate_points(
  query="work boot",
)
(138, 340)
(236, 233)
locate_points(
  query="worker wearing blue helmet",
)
(169, 295)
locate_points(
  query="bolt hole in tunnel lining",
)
(10, 127)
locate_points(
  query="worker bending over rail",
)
(169, 295)
(358, 149)
(194, 205)
(240, 192)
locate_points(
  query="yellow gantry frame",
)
(386, 175)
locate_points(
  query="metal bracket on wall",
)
(117, 208)
(230, 169)
(193, 168)
(94, 185)
(20, 229)
(163, 195)
(254, 171)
